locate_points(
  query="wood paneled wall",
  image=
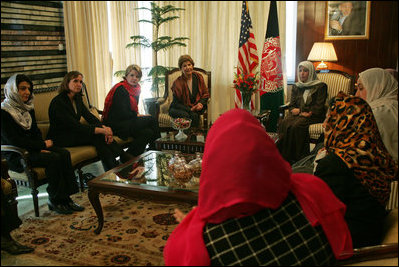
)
(354, 56)
(33, 42)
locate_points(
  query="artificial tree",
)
(159, 16)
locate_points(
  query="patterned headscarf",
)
(352, 134)
(14, 105)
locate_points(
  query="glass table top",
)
(151, 169)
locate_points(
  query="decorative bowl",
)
(181, 124)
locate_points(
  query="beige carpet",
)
(134, 233)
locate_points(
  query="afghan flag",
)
(271, 71)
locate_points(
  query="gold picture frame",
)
(347, 20)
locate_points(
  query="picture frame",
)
(347, 20)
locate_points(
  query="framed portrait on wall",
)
(347, 20)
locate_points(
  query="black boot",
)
(13, 247)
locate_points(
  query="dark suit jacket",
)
(65, 122)
(353, 24)
(13, 134)
(317, 104)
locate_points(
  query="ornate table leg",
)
(95, 202)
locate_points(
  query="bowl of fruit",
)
(181, 124)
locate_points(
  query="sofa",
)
(80, 155)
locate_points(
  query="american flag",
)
(247, 52)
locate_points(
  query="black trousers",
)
(62, 180)
(106, 152)
(294, 139)
(144, 130)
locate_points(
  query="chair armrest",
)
(21, 151)
(161, 100)
(284, 107)
(282, 110)
(372, 253)
(26, 164)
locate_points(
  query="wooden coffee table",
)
(154, 184)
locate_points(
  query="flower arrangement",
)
(246, 82)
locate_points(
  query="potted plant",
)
(159, 16)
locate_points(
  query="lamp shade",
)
(322, 52)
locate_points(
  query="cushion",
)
(81, 153)
(391, 227)
(42, 101)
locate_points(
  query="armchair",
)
(336, 81)
(163, 104)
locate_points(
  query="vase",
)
(246, 100)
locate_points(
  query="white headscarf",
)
(382, 93)
(14, 105)
(310, 82)
(312, 78)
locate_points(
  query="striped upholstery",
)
(164, 119)
(393, 198)
(335, 82)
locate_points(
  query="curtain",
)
(123, 17)
(213, 28)
(87, 48)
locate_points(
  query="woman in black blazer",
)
(19, 128)
(66, 129)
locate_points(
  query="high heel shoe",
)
(59, 208)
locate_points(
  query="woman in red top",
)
(190, 94)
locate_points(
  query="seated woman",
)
(379, 89)
(252, 210)
(357, 167)
(19, 128)
(121, 113)
(307, 106)
(383, 101)
(65, 112)
(190, 94)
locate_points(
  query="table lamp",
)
(322, 52)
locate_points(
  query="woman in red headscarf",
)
(121, 113)
(252, 210)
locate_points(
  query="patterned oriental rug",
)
(134, 233)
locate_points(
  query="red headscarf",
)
(242, 173)
(134, 91)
